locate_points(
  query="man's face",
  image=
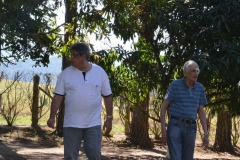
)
(76, 59)
(192, 72)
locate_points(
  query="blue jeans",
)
(181, 138)
(92, 142)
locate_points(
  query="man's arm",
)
(56, 102)
(164, 108)
(203, 120)
(109, 111)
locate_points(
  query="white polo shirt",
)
(83, 103)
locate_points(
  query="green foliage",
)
(27, 31)
(205, 31)
(216, 44)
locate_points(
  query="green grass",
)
(117, 129)
(25, 120)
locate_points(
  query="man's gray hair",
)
(81, 49)
(187, 64)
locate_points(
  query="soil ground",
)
(24, 143)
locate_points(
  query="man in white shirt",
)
(82, 85)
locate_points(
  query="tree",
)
(131, 82)
(27, 31)
(206, 30)
(145, 77)
(143, 18)
(70, 14)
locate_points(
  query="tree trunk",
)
(127, 120)
(34, 108)
(139, 127)
(223, 132)
(71, 9)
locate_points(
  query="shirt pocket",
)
(96, 88)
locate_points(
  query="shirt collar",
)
(185, 84)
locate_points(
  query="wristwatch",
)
(206, 134)
(110, 117)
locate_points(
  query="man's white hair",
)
(187, 64)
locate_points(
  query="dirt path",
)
(23, 144)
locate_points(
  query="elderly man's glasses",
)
(75, 55)
(197, 70)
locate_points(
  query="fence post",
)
(34, 108)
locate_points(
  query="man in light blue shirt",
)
(186, 98)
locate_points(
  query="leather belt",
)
(189, 121)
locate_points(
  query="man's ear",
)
(85, 56)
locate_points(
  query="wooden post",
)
(34, 108)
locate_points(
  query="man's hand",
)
(51, 122)
(164, 137)
(56, 103)
(107, 127)
(205, 142)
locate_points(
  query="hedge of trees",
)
(164, 34)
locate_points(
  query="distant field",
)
(23, 92)
(25, 120)
(17, 97)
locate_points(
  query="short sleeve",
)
(106, 89)
(59, 89)
(170, 93)
(203, 99)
